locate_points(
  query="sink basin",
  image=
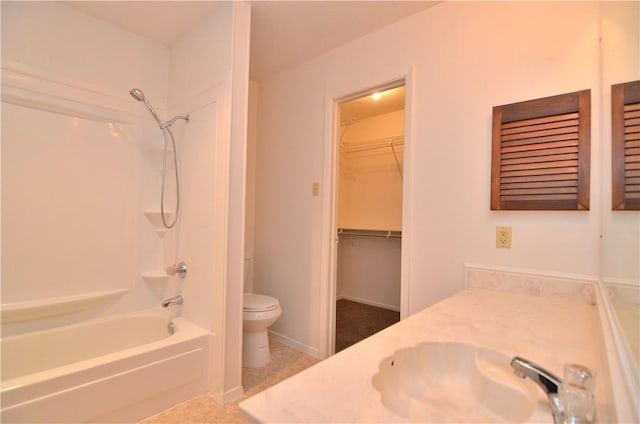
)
(454, 382)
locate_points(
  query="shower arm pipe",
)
(172, 121)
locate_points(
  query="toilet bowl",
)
(258, 313)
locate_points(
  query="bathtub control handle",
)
(179, 269)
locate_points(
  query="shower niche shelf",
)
(155, 218)
(155, 277)
(44, 308)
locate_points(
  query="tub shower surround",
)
(513, 314)
(92, 345)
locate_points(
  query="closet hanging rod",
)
(369, 233)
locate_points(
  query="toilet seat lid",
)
(258, 302)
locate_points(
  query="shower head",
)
(137, 94)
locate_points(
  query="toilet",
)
(258, 313)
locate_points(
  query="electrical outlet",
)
(315, 189)
(503, 237)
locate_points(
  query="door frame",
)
(329, 246)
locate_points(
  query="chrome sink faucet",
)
(175, 300)
(549, 383)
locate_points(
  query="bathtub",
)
(115, 369)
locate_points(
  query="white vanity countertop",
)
(547, 331)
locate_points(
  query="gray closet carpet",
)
(357, 321)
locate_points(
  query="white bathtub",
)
(116, 369)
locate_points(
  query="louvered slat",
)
(538, 157)
(632, 153)
(534, 166)
(625, 103)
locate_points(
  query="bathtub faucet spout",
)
(175, 300)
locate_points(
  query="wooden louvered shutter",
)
(541, 154)
(625, 123)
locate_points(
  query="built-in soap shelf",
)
(44, 308)
(155, 277)
(155, 218)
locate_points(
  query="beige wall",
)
(466, 57)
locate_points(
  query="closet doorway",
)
(369, 214)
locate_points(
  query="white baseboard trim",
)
(294, 344)
(621, 281)
(370, 302)
(228, 396)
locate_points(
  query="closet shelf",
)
(369, 233)
(395, 145)
(374, 144)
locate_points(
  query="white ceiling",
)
(283, 33)
(286, 33)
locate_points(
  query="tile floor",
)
(285, 362)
